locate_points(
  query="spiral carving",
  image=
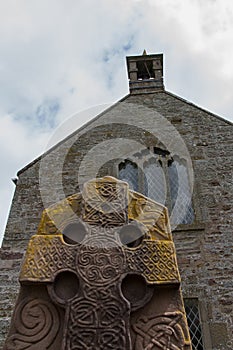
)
(100, 260)
(36, 325)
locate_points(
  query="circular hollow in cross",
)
(74, 233)
(135, 290)
(66, 285)
(131, 235)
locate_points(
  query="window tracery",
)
(162, 177)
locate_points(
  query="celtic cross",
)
(101, 273)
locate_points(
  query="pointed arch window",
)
(128, 171)
(164, 179)
(154, 181)
(179, 185)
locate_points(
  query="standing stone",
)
(101, 273)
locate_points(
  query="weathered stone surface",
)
(219, 334)
(204, 249)
(104, 279)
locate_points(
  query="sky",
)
(62, 57)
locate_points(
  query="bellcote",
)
(145, 73)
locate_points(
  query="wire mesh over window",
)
(179, 183)
(163, 178)
(192, 313)
(155, 183)
(128, 172)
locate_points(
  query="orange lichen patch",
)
(153, 215)
(156, 261)
(126, 204)
(45, 256)
(57, 216)
(105, 201)
(109, 248)
(48, 254)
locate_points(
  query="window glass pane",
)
(128, 172)
(155, 182)
(163, 179)
(173, 183)
(179, 183)
(192, 313)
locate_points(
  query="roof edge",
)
(108, 109)
(69, 136)
(196, 106)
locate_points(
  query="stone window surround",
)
(197, 222)
(203, 315)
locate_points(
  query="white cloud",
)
(59, 57)
(17, 145)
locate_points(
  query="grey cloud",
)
(57, 58)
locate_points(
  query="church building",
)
(167, 149)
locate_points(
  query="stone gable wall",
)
(204, 249)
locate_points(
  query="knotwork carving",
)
(99, 309)
(36, 325)
(153, 215)
(100, 262)
(106, 202)
(164, 331)
(45, 256)
(102, 282)
(91, 339)
(155, 260)
(99, 313)
(56, 217)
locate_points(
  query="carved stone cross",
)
(100, 274)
